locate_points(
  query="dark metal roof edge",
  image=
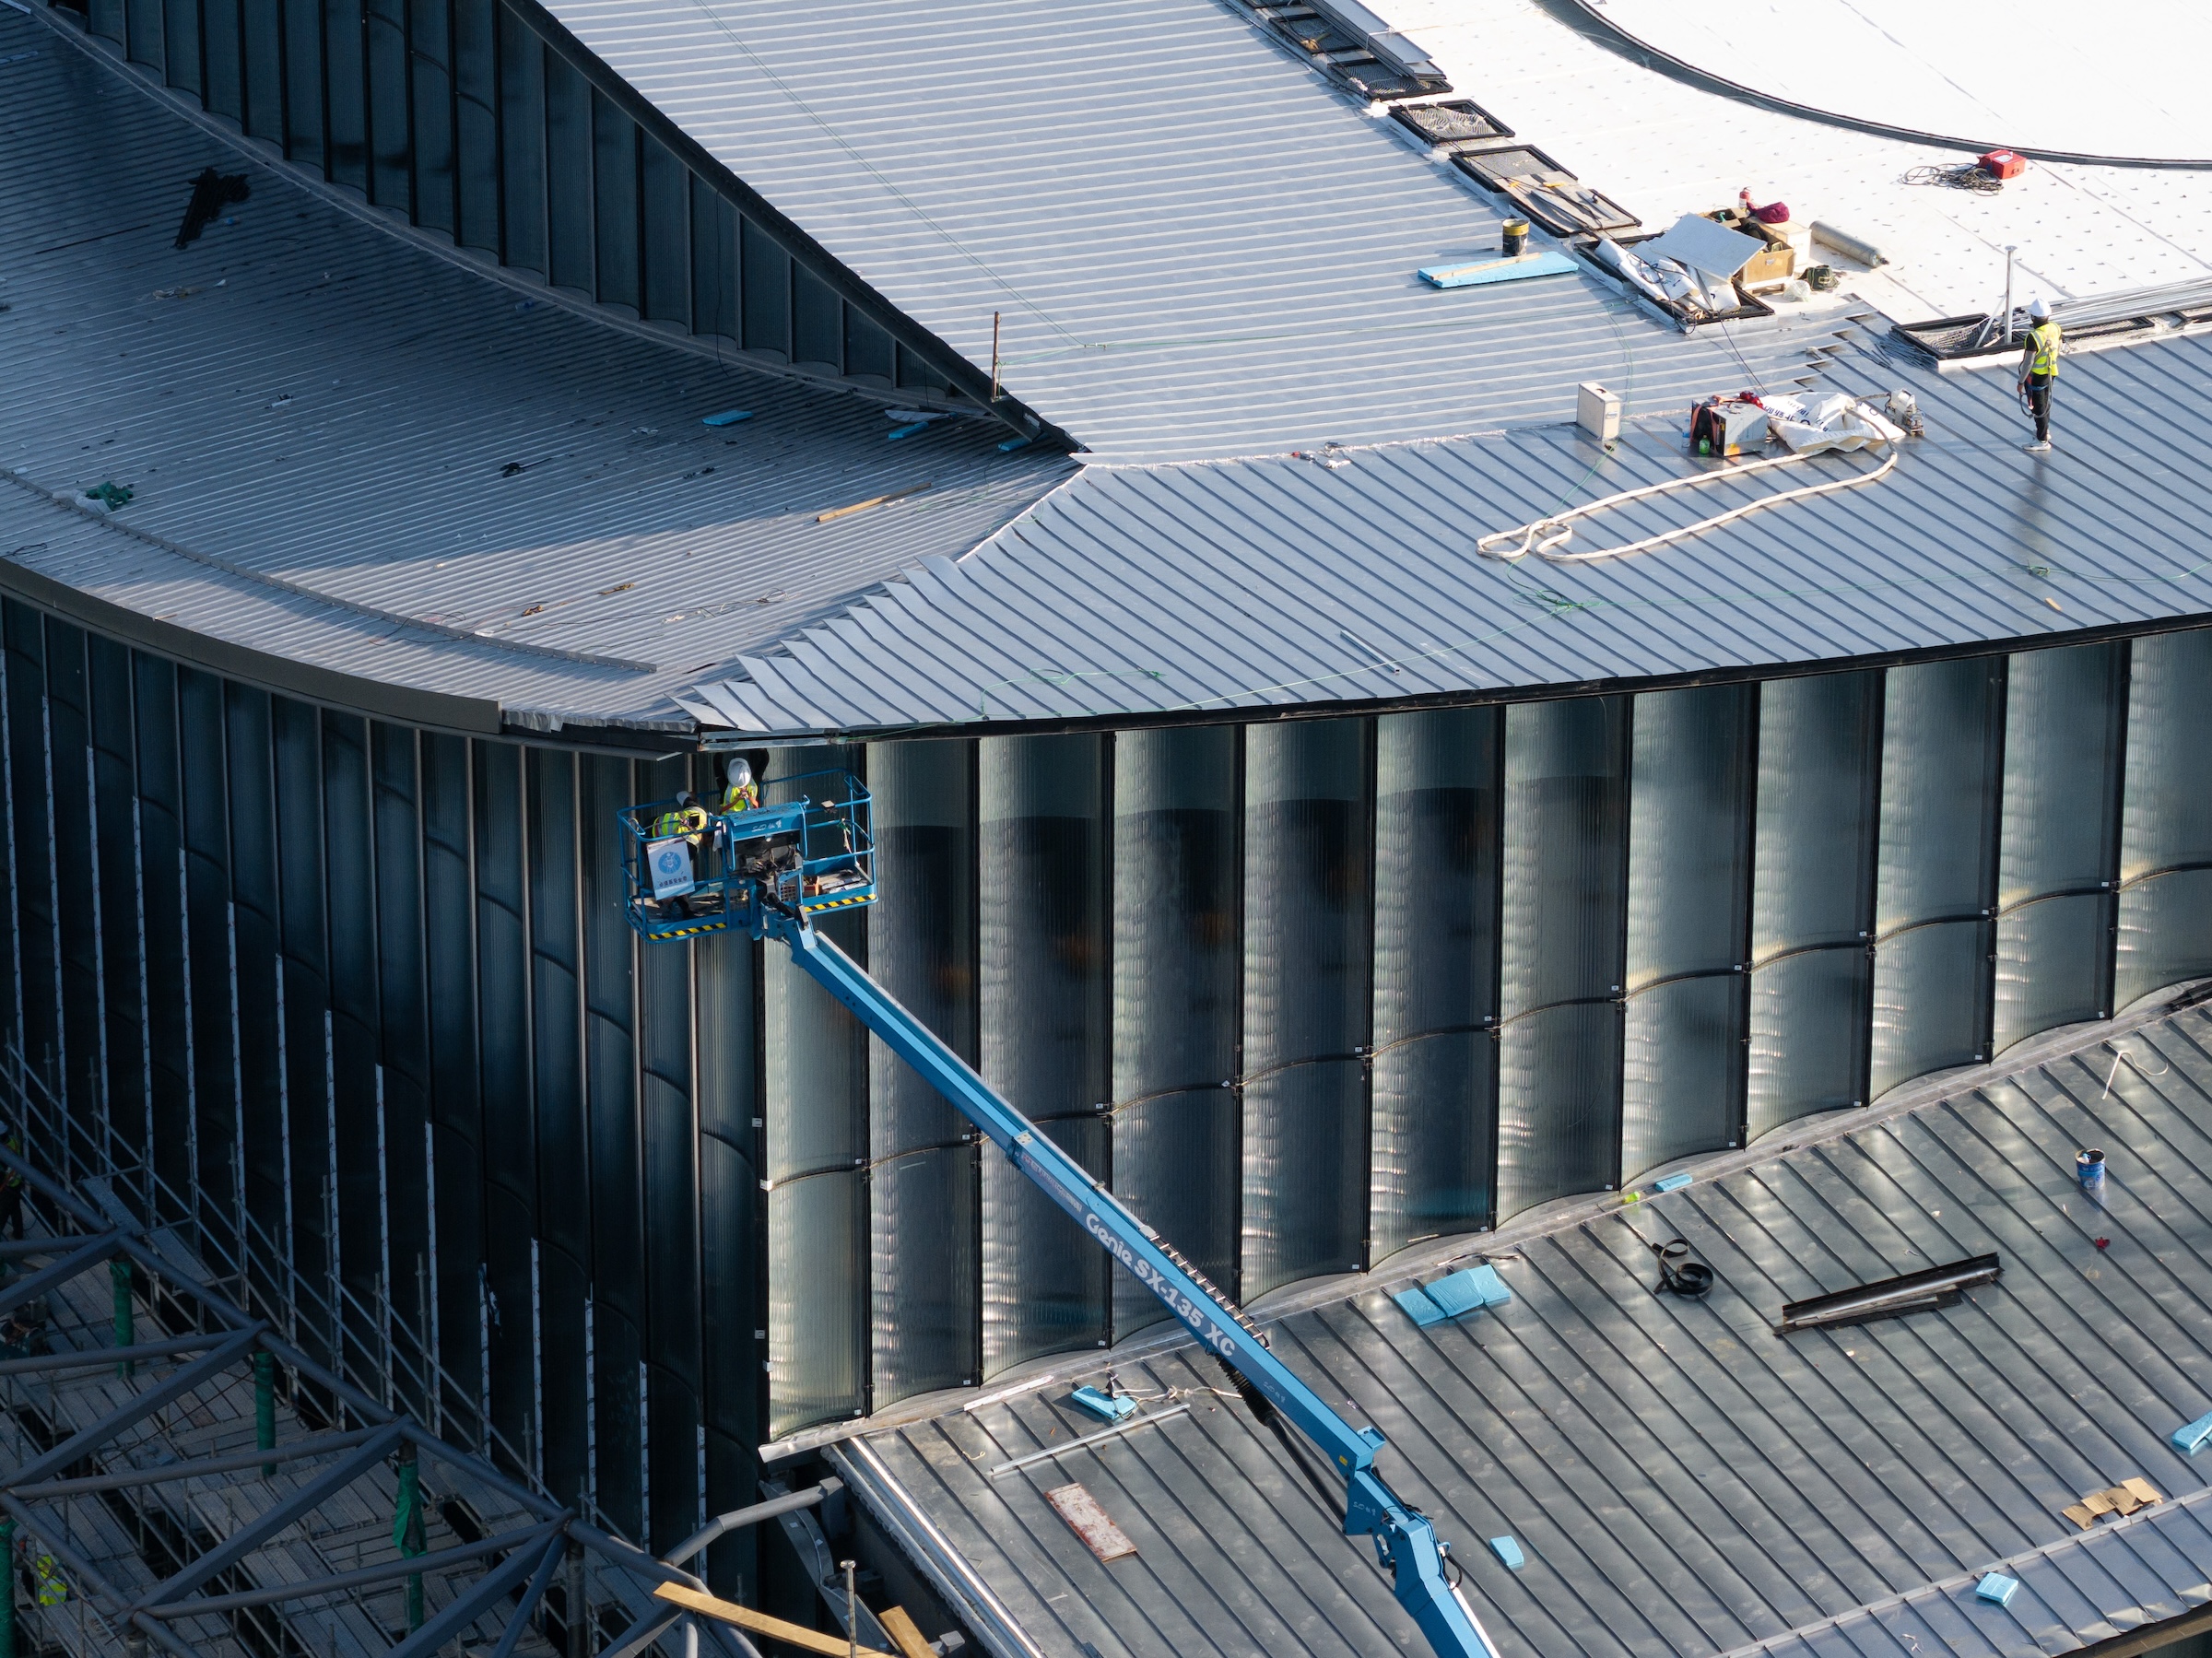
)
(718, 737)
(443, 711)
(476, 261)
(786, 232)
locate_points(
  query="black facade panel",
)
(384, 56)
(223, 41)
(77, 896)
(818, 322)
(664, 210)
(180, 45)
(450, 990)
(345, 77)
(523, 133)
(568, 175)
(250, 775)
(115, 833)
(161, 840)
(615, 218)
(206, 811)
(764, 287)
(714, 262)
(357, 1076)
(305, 140)
(404, 1042)
(142, 33)
(1439, 782)
(32, 829)
(263, 69)
(304, 1003)
(476, 123)
(429, 56)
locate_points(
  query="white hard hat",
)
(2038, 309)
(740, 771)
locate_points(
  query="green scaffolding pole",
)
(407, 1529)
(265, 1407)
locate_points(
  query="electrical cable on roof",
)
(1533, 538)
(1546, 535)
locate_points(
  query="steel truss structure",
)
(187, 1481)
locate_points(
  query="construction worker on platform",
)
(741, 792)
(686, 818)
(2039, 369)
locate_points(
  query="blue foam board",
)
(1468, 1291)
(1670, 1183)
(1107, 1407)
(1519, 268)
(1419, 1307)
(1509, 1551)
(2190, 1438)
(1997, 1588)
(727, 417)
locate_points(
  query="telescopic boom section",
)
(727, 885)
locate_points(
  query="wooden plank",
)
(1091, 1522)
(745, 1617)
(904, 1634)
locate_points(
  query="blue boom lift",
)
(767, 872)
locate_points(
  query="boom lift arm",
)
(772, 905)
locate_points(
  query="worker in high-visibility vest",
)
(52, 1591)
(2039, 369)
(741, 793)
(689, 818)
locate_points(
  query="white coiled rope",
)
(1545, 536)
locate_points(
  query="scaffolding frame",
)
(211, 1568)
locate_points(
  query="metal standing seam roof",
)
(351, 455)
(1196, 245)
(1681, 1479)
(1273, 582)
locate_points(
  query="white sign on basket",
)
(669, 862)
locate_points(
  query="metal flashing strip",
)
(927, 1547)
(1086, 1442)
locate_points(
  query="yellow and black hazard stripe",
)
(704, 927)
(836, 904)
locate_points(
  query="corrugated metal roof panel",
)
(1681, 1479)
(1197, 247)
(315, 409)
(1282, 581)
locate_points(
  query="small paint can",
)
(1516, 237)
(2088, 1168)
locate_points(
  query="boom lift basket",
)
(687, 873)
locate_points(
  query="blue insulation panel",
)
(1419, 1307)
(2189, 1439)
(1509, 1551)
(1519, 268)
(1997, 1588)
(1107, 1407)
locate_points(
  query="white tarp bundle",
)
(1809, 426)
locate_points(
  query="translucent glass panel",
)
(1175, 998)
(1308, 933)
(1812, 895)
(1439, 781)
(816, 1065)
(1562, 958)
(1942, 752)
(1044, 1030)
(2064, 717)
(1689, 893)
(924, 1188)
(2165, 823)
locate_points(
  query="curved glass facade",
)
(1305, 992)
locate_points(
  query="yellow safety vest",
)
(745, 797)
(691, 822)
(52, 1592)
(2043, 339)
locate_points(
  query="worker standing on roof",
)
(2039, 369)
